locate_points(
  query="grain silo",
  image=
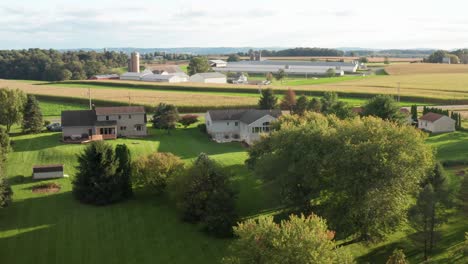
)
(135, 62)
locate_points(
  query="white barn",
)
(436, 123)
(239, 124)
(208, 77)
(218, 63)
(135, 76)
(169, 78)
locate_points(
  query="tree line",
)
(53, 65)
(295, 52)
(456, 56)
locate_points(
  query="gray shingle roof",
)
(78, 118)
(120, 110)
(244, 115)
(292, 63)
(211, 75)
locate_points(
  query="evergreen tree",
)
(32, 116)
(124, 170)
(301, 105)
(4, 145)
(414, 112)
(166, 117)
(5, 191)
(268, 100)
(315, 105)
(289, 100)
(398, 257)
(98, 180)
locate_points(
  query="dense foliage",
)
(289, 100)
(52, 65)
(385, 107)
(124, 169)
(5, 191)
(299, 239)
(398, 257)
(100, 179)
(357, 173)
(156, 170)
(303, 52)
(203, 194)
(457, 56)
(165, 117)
(4, 145)
(198, 65)
(12, 102)
(267, 100)
(32, 116)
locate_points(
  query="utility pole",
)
(89, 96)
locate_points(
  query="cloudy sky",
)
(240, 23)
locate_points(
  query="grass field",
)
(49, 108)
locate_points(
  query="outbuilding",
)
(436, 123)
(208, 77)
(48, 171)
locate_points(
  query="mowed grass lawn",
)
(55, 228)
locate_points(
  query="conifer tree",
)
(268, 100)
(124, 170)
(5, 191)
(301, 105)
(32, 116)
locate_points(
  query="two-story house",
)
(104, 123)
(239, 124)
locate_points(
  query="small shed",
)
(48, 171)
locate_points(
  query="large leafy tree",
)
(12, 103)
(289, 100)
(156, 170)
(198, 65)
(233, 58)
(280, 75)
(330, 105)
(301, 105)
(165, 117)
(4, 145)
(99, 180)
(32, 117)
(203, 194)
(268, 100)
(299, 239)
(385, 107)
(359, 174)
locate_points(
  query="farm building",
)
(208, 77)
(217, 63)
(104, 123)
(436, 123)
(290, 67)
(47, 171)
(239, 125)
(135, 76)
(169, 78)
(105, 77)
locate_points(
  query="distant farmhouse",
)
(289, 67)
(208, 77)
(239, 125)
(436, 123)
(104, 123)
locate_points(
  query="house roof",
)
(48, 168)
(431, 117)
(208, 75)
(158, 77)
(244, 115)
(217, 61)
(120, 110)
(78, 118)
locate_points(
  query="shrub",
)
(46, 123)
(99, 180)
(203, 194)
(5, 192)
(188, 120)
(156, 169)
(202, 128)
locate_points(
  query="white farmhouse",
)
(208, 77)
(436, 123)
(239, 124)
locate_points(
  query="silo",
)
(135, 62)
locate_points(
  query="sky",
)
(395, 24)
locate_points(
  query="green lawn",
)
(311, 80)
(50, 108)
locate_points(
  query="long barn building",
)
(290, 67)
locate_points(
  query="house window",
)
(129, 116)
(101, 131)
(228, 123)
(120, 117)
(123, 128)
(236, 123)
(107, 118)
(138, 127)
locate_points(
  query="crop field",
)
(426, 68)
(325, 58)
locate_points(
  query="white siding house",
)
(208, 77)
(239, 125)
(436, 123)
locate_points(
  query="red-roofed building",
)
(436, 123)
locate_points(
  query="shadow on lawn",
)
(39, 142)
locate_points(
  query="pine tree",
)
(414, 112)
(268, 100)
(124, 170)
(32, 116)
(301, 105)
(315, 105)
(289, 100)
(5, 191)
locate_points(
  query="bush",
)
(203, 194)
(202, 128)
(188, 120)
(5, 192)
(99, 179)
(46, 123)
(155, 170)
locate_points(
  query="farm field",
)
(426, 68)
(62, 230)
(331, 58)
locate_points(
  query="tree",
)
(289, 100)
(431, 207)
(437, 57)
(301, 105)
(344, 170)
(187, 120)
(32, 116)
(12, 103)
(198, 65)
(398, 257)
(233, 58)
(331, 73)
(156, 170)
(315, 105)
(5, 191)
(385, 107)
(203, 194)
(124, 170)
(453, 59)
(268, 100)
(280, 75)
(165, 117)
(414, 113)
(4, 145)
(363, 60)
(98, 180)
(332, 106)
(299, 239)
